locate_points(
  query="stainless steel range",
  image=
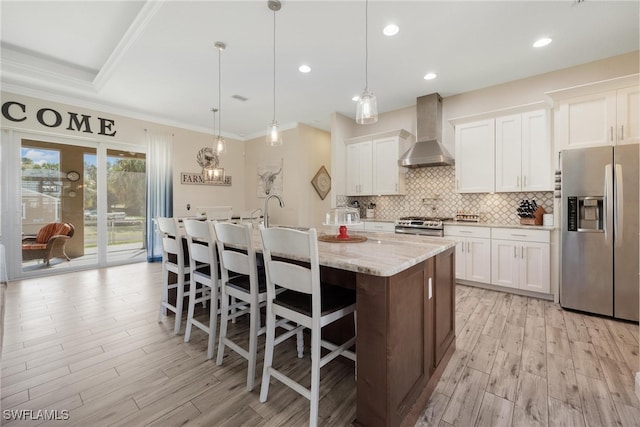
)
(421, 225)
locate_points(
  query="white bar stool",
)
(173, 260)
(203, 262)
(305, 302)
(237, 257)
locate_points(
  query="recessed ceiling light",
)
(391, 30)
(542, 42)
(355, 97)
(304, 68)
(430, 76)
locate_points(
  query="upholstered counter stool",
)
(241, 279)
(203, 271)
(305, 302)
(174, 260)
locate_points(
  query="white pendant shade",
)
(274, 136)
(221, 145)
(367, 111)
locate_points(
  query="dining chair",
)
(306, 301)
(203, 271)
(174, 260)
(241, 279)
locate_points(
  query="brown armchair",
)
(48, 243)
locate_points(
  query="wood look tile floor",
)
(89, 343)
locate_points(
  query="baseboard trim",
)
(638, 384)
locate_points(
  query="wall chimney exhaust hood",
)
(428, 150)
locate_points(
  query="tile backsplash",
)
(431, 192)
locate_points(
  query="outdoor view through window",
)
(62, 223)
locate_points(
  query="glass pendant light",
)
(367, 111)
(274, 137)
(209, 159)
(221, 144)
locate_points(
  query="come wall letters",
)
(50, 118)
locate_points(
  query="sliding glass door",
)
(78, 206)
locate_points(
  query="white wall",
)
(186, 145)
(304, 150)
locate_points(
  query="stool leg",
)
(213, 320)
(268, 353)
(315, 377)
(300, 344)
(224, 318)
(165, 293)
(179, 303)
(254, 321)
(192, 306)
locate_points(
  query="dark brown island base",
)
(405, 320)
(405, 305)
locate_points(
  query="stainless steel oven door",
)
(434, 232)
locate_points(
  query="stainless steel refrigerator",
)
(600, 231)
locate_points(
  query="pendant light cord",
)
(219, 85)
(366, 45)
(274, 65)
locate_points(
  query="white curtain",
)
(159, 188)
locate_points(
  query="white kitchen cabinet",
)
(520, 259)
(474, 146)
(628, 115)
(473, 252)
(372, 164)
(389, 178)
(602, 118)
(380, 226)
(359, 168)
(523, 152)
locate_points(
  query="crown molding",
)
(136, 28)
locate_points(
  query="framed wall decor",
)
(322, 182)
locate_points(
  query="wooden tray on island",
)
(330, 238)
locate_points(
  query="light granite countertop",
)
(383, 254)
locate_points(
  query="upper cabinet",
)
(359, 168)
(603, 113)
(372, 164)
(504, 153)
(523, 152)
(474, 156)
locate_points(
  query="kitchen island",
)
(405, 302)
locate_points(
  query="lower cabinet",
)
(520, 259)
(473, 252)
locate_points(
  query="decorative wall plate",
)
(322, 182)
(73, 176)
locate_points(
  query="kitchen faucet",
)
(265, 212)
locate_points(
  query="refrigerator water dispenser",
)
(586, 214)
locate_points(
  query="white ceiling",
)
(156, 60)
